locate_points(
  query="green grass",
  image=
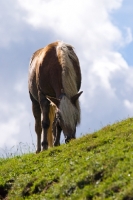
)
(94, 167)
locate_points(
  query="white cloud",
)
(129, 37)
(21, 85)
(9, 130)
(10, 21)
(128, 104)
(13, 120)
(83, 22)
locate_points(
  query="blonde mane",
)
(70, 113)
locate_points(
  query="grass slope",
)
(96, 166)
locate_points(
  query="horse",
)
(54, 82)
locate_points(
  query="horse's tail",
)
(51, 118)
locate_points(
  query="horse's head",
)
(67, 115)
(69, 132)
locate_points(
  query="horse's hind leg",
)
(45, 107)
(37, 115)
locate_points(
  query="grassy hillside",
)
(96, 166)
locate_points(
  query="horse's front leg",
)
(45, 106)
(56, 133)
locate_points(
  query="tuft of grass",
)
(94, 167)
(17, 150)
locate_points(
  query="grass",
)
(94, 167)
(16, 150)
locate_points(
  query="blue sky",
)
(123, 19)
(101, 32)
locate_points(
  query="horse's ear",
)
(75, 97)
(54, 100)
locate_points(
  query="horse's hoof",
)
(38, 151)
(44, 145)
(67, 140)
(45, 148)
(56, 144)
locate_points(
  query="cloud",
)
(73, 20)
(9, 130)
(87, 25)
(10, 23)
(129, 105)
(13, 116)
(129, 37)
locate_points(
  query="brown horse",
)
(55, 77)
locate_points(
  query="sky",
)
(101, 32)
